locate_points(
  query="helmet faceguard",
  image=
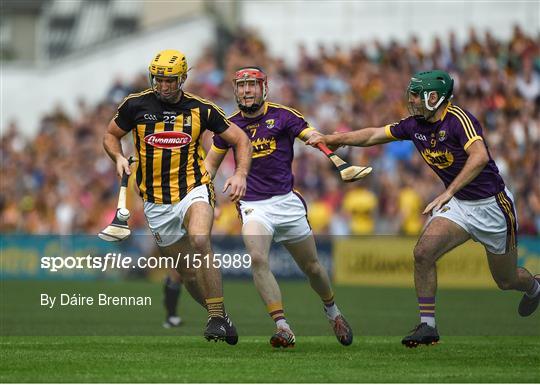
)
(425, 84)
(168, 64)
(250, 83)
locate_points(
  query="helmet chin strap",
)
(426, 101)
(251, 109)
(174, 94)
(255, 106)
(432, 109)
(171, 98)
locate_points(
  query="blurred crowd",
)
(61, 181)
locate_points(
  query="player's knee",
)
(259, 261)
(312, 269)
(422, 255)
(200, 243)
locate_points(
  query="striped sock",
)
(534, 290)
(426, 305)
(215, 307)
(276, 312)
(330, 306)
(330, 301)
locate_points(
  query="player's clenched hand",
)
(237, 183)
(437, 203)
(122, 165)
(315, 138)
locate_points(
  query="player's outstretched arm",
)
(306, 138)
(242, 152)
(113, 147)
(362, 138)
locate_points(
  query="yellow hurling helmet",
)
(168, 63)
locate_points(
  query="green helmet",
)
(424, 83)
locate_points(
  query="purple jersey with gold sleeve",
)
(442, 145)
(272, 136)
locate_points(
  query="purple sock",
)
(426, 305)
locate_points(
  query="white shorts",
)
(491, 221)
(285, 216)
(166, 221)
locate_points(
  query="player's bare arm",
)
(348, 173)
(213, 161)
(113, 147)
(314, 134)
(365, 137)
(477, 160)
(308, 135)
(242, 146)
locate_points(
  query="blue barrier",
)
(33, 257)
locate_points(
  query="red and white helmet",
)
(256, 75)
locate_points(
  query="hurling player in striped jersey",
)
(167, 125)
(271, 209)
(475, 203)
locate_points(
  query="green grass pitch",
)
(482, 338)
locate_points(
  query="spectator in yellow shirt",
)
(360, 203)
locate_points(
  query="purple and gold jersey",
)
(272, 136)
(442, 145)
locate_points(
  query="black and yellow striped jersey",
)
(168, 142)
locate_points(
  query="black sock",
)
(172, 294)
